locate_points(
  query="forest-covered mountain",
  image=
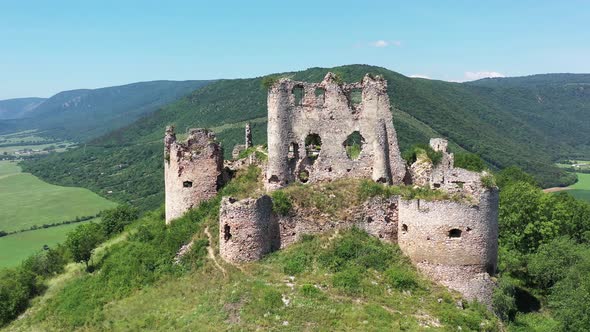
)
(526, 121)
(79, 115)
(19, 107)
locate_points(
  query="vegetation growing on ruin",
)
(424, 150)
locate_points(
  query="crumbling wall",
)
(192, 170)
(247, 229)
(444, 237)
(328, 112)
(378, 216)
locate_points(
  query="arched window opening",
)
(187, 184)
(404, 228)
(313, 146)
(354, 145)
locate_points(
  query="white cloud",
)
(421, 76)
(385, 43)
(472, 76)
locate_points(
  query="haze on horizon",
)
(49, 47)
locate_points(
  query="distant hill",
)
(506, 122)
(79, 115)
(19, 107)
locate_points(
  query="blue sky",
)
(51, 46)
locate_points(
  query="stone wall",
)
(443, 237)
(192, 170)
(300, 115)
(247, 229)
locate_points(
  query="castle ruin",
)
(452, 241)
(192, 170)
(311, 126)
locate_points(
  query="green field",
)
(16, 247)
(25, 200)
(581, 189)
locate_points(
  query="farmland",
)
(16, 247)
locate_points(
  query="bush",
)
(281, 203)
(296, 263)
(412, 153)
(349, 279)
(503, 299)
(115, 220)
(401, 278)
(82, 240)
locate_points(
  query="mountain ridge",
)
(500, 125)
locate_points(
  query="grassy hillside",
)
(17, 108)
(474, 118)
(26, 201)
(307, 287)
(79, 115)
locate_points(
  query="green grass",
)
(16, 247)
(25, 200)
(581, 189)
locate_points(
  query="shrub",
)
(115, 220)
(401, 278)
(488, 181)
(349, 279)
(296, 263)
(411, 154)
(82, 240)
(310, 291)
(268, 81)
(281, 203)
(503, 299)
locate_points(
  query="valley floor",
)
(26, 201)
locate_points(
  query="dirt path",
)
(556, 189)
(211, 252)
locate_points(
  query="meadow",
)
(581, 189)
(26, 201)
(16, 247)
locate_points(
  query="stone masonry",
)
(307, 134)
(310, 125)
(192, 170)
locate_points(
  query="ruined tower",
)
(192, 170)
(329, 130)
(454, 242)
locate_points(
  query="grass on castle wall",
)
(26, 200)
(16, 247)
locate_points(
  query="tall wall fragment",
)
(312, 127)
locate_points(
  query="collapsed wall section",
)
(328, 130)
(192, 170)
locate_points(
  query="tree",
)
(512, 175)
(469, 161)
(82, 240)
(115, 220)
